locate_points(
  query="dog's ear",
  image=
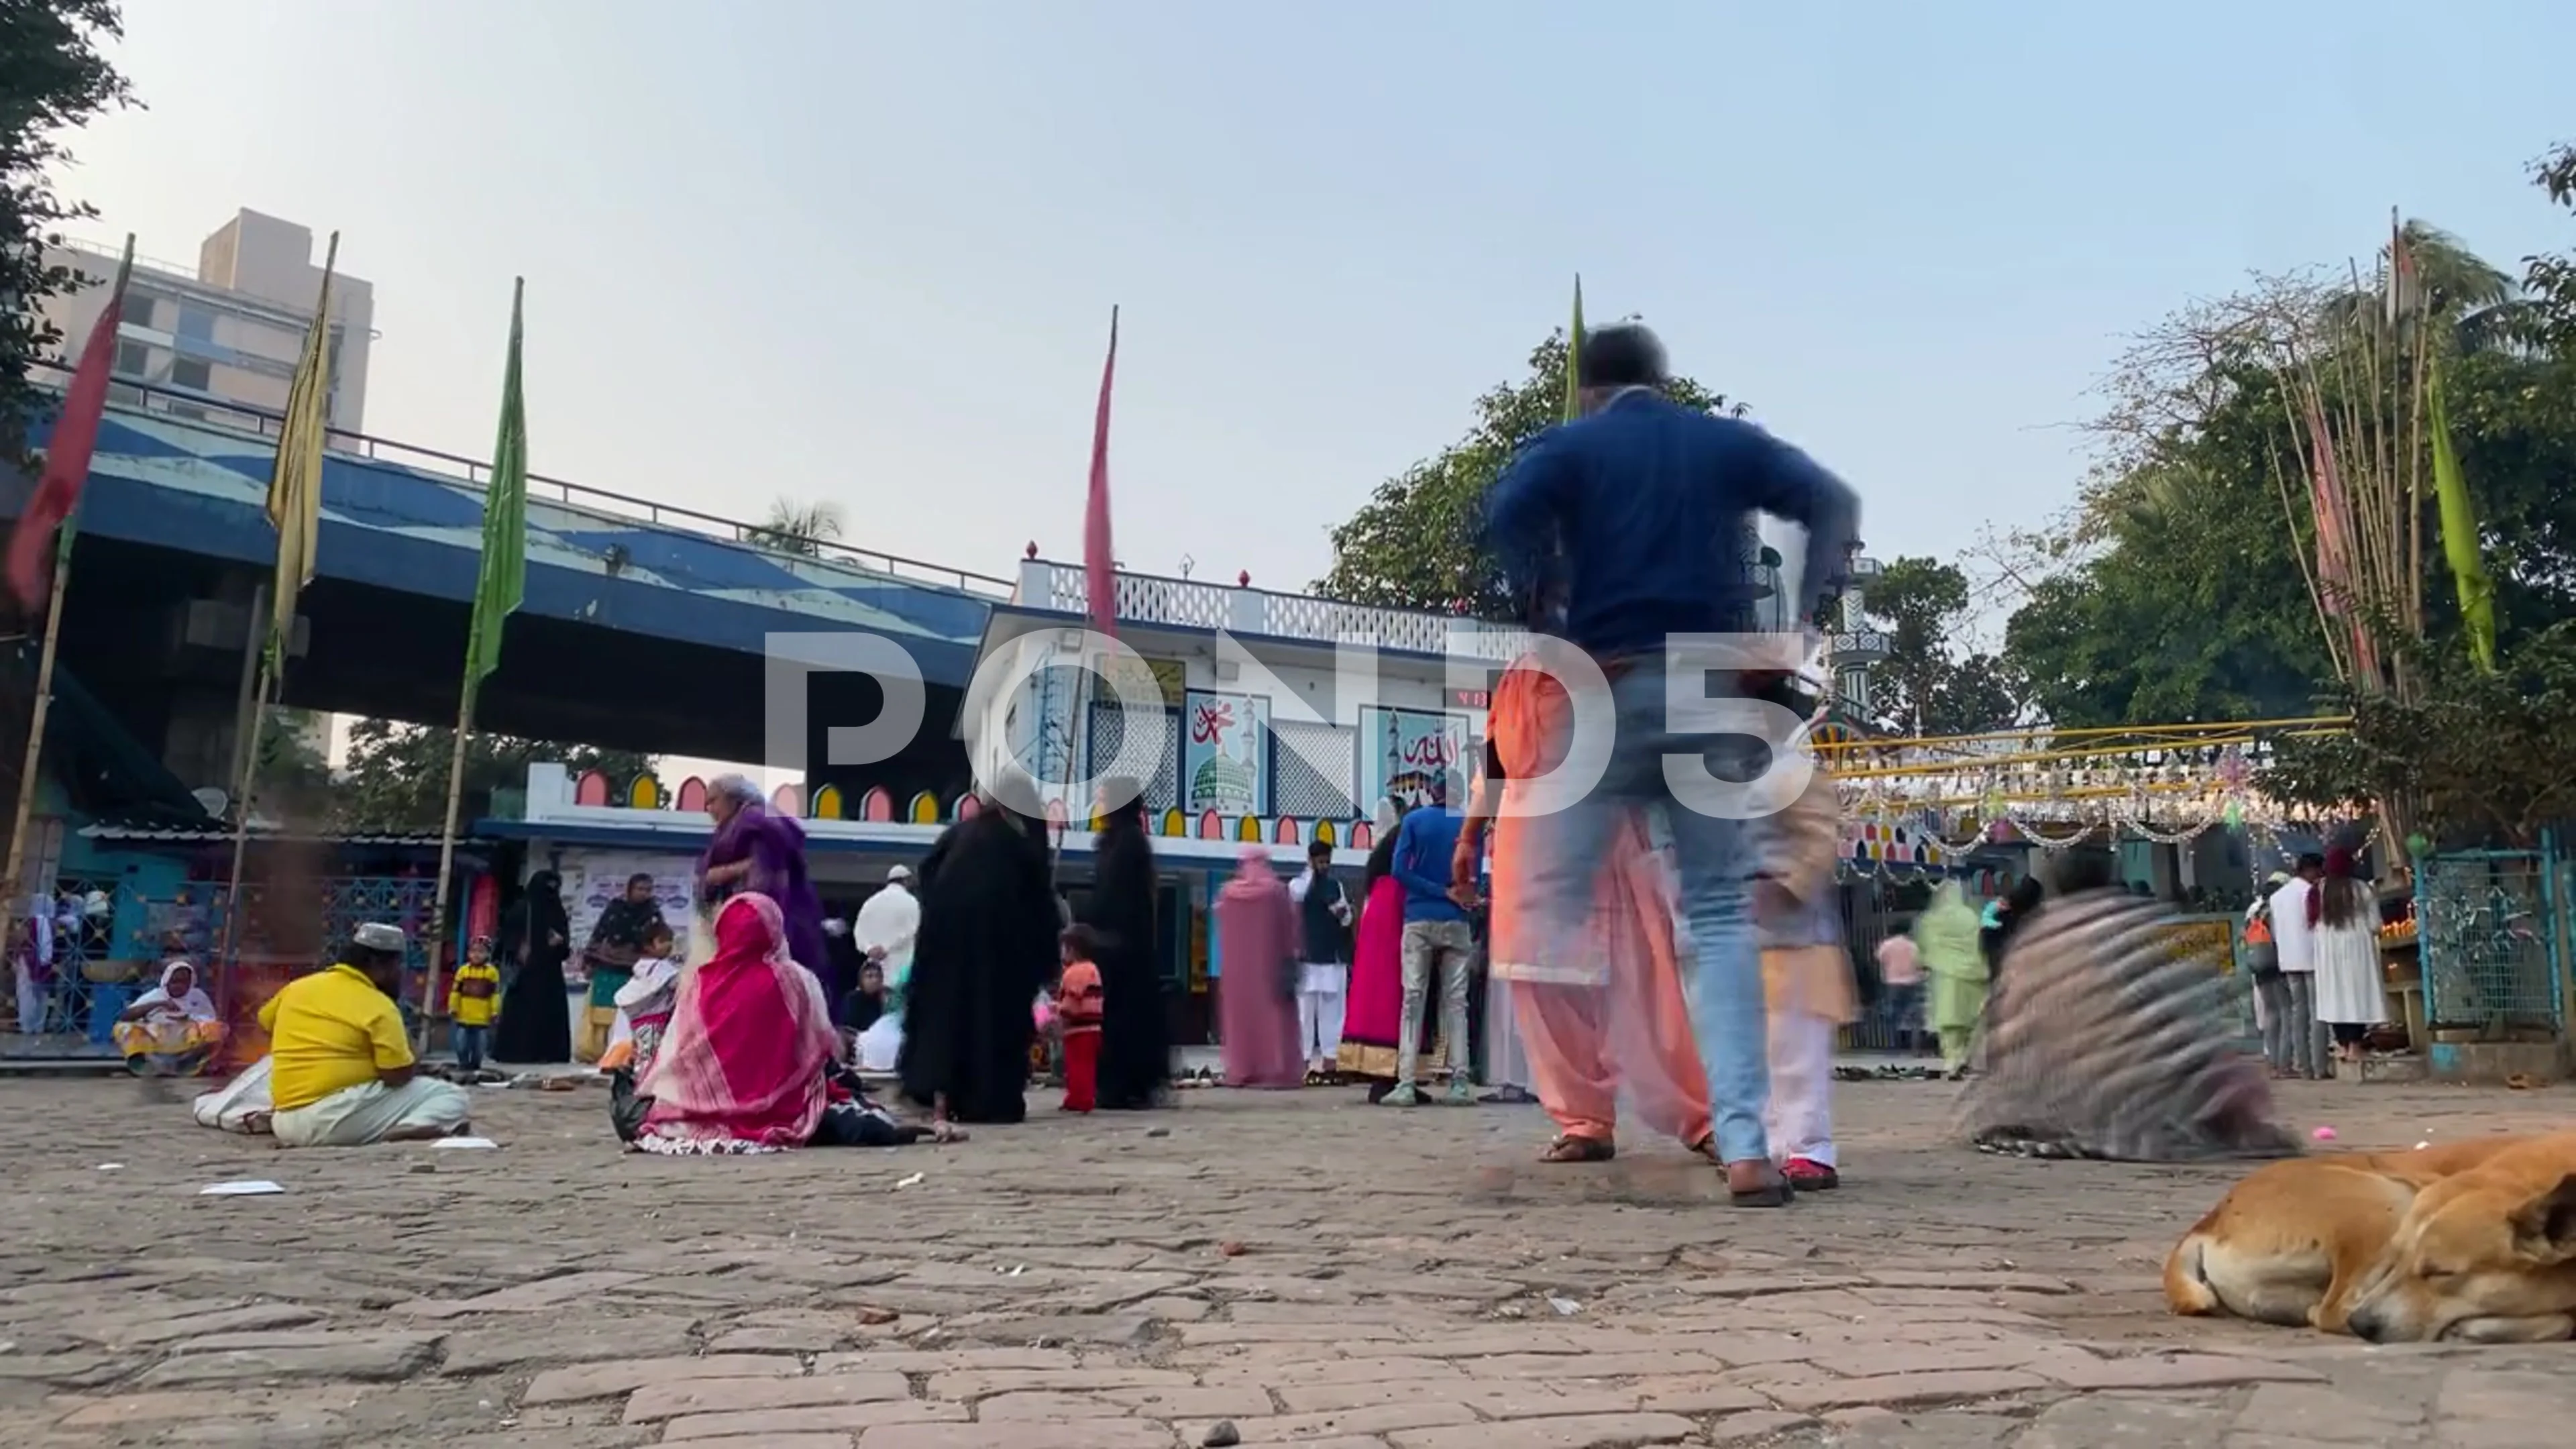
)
(2544, 1229)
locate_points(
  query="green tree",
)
(395, 777)
(801, 528)
(288, 753)
(53, 79)
(2479, 304)
(1418, 543)
(2481, 759)
(2175, 594)
(2549, 280)
(1927, 686)
(2178, 589)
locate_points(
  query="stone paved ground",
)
(1306, 1267)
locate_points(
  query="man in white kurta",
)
(887, 925)
(2295, 941)
(886, 928)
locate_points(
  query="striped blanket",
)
(2108, 1041)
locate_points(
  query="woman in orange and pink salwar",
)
(1616, 1018)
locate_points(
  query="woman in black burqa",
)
(536, 1011)
(987, 944)
(1135, 1034)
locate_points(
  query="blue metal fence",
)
(2493, 933)
(108, 940)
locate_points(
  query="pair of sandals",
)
(1778, 1191)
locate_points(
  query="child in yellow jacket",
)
(472, 1002)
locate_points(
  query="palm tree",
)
(2481, 303)
(794, 527)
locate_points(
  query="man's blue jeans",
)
(1722, 971)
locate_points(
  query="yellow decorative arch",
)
(1248, 829)
(827, 803)
(1324, 832)
(924, 809)
(645, 793)
(1175, 824)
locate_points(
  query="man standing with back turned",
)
(1632, 518)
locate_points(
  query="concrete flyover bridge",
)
(643, 625)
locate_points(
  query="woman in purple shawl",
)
(754, 850)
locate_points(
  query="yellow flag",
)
(295, 486)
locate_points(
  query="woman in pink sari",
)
(1374, 1009)
(741, 1065)
(1256, 927)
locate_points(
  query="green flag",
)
(504, 577)
(2460, 532)
(1574, 357)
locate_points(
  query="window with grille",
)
(1314, 770)
(1109, 735)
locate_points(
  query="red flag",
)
(1099, 567)
(67, 455)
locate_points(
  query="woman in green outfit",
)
(1946, 938)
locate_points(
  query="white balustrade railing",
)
(1152, 599)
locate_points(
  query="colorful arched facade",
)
(878, 805)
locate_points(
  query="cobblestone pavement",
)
(1303, 1267)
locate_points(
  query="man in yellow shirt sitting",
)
(340, 1065)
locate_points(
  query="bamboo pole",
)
(429, 1005)
(2301, 446)
(245, 695)
(230, 956)
(28, 779)
(2415, 481)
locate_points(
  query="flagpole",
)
(59, 485)
(429, 1003)
(241, 839)
(500, 579)
(27, 777)
(294, 509)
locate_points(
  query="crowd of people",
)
(1633, 941)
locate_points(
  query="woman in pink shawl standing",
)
(741, 1065)
(1256, 928)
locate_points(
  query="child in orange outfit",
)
(1077, 1012)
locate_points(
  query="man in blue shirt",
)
(1436, 938)
(1635, 520)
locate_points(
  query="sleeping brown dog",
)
(2298, 1242)
(2487, 1256)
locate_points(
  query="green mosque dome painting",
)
(1224, 783)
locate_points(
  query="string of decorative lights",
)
(1938, 799)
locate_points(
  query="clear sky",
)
(866, 252)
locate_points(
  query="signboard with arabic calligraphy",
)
(1225, 753)
(1407, 755)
